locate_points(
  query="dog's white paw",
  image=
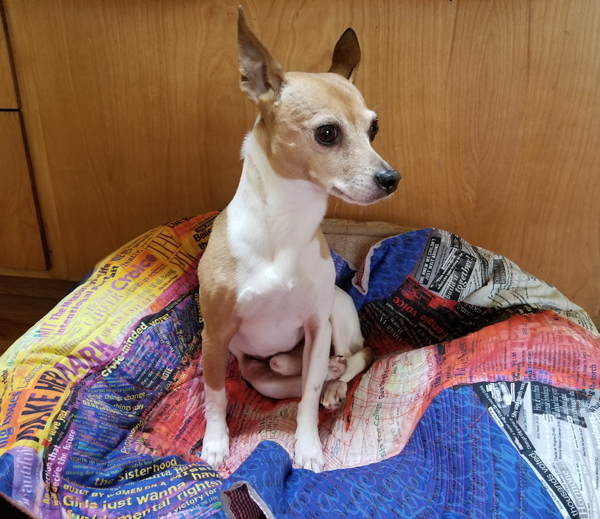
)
(336, 368)
(215, 449)
(334, 394)
(309, 452)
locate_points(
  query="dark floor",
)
(24, 301)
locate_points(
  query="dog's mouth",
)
(340, 194)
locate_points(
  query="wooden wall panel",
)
(8, 99)
(21, 243)
(489, 109)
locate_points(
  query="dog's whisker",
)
(337, 205)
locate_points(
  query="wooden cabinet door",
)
(8, 98)
(21, 245)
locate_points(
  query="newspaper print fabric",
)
(479, 364)
(77, 389)
(457, 464)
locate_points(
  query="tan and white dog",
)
(267, 288)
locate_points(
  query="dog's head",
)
(316, 126)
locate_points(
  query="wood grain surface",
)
(21, 243)
(489, 109)
(8, 98)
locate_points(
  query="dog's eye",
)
(326, 135)
(373, 129)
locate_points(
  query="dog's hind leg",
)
(268, 382)
(290, 363)
(345, 327)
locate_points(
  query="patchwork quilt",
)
(483, 400)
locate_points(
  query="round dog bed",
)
(482, 401)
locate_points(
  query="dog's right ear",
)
(346, 56)
(261, 75)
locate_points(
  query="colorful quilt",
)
(483, 401)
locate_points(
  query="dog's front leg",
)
(215, 353)
(317, 337)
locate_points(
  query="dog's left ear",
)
(346, 56)
(260, 72)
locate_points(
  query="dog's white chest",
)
(282, 276)
(276, 299)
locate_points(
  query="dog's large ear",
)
(260, 72)
(346, 56)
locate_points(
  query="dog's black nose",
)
(388, 180)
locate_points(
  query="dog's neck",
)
(273, 213)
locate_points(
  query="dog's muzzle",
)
(388, 180)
